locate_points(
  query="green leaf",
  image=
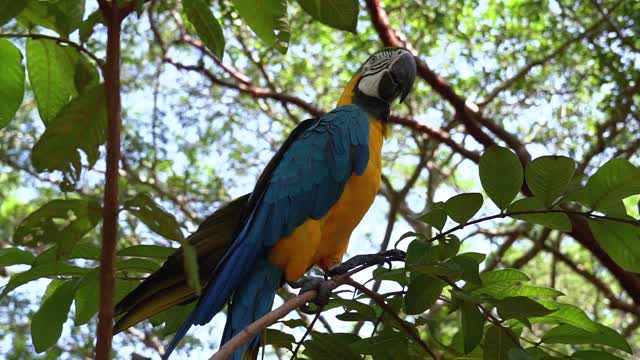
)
(531, 291)
(152, 251)
(294, 323)
(422, 293)
(51, 74)
(176, 317)
(470, 267)
(137, 265)
(520, 308)
(621, 241)
(155, 217)
(519, 354)
(614, 181)
(549, 176)
(557, 221)
(278, 339)
(79, 251)
(46, 323)
(436, 216)
(397, 275)
(568, 334)
(206, 25)
(331, 346)
(11, 78)
(501, 175)
(80, 125)
(472, 322)
(61, 16)
(191, 267)
(8, 10)
(498, 341)
(339, 14)
(594, 355)
(87, 298)
(268, 19)
(462, 207)
(36, 272)
(388, 345)
(14, 256)
(60, 222)
(566, 314)
(87, 26)
(503, 275)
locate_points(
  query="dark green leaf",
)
(566, 314)
(498, 341)
(519, 354)
(51, 73)
(447, 247)
(621, 241)
(549, 176)
(568, 334)
(155, 217)
(389, 345)
(152, 251)
(557, 221)
(176, 316)
(594, 355)
(294, 323)
(80, 125)
(60, 222)
(331, 346)
(46, 323)
(268, 19)
(520, 308)
(61, 16)
(472, 322)
(339, 14)
(470, 268)
(422, 293)
(137, 265)
(614, 181)
(79, 251)
(419, 252)
(10, 9)
(462, 207)
(87, 298)
(278, 339)
(206, 25)
(397, 275)
(44, 270)
(436, 216)
(11, 78)
(501, 175)
(13, 256)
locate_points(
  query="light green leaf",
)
(501, 175)
(191, 267)
(339, 14)
(422, 293)
(206, 25)
(79, 251)
(11, 78)
(45, 270)
(268, 19)
(462, 207)
(60, 222)
(278, 339)
(503, 275)
(80, 125)
(498, 341)
(152, 251)
(14, 256)
(556, 220)
(436, 216)
(87, 299)
(51, 74)
(10, 9)
(154, 216)
(46, 323)
(620, 240)
(531, 291)
(472, 321)
(520, 308)
(567, 334)
(88, 25)
(614, 181)
(549, 176)
(594, 355)
(61, 16)
(566, 314)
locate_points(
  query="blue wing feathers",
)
(306, 182)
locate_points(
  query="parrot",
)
(302, 211)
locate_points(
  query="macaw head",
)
(387, 75)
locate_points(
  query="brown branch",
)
(60, 40)
(113, 15)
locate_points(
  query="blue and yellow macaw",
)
(301, 213)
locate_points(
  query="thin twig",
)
(60, 40)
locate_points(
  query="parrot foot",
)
(308, 283)
(384, 257)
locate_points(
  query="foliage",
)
(191, 153)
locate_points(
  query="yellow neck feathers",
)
(347, 98)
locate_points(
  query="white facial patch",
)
(369, 84)
(373, 70)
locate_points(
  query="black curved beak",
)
(403, 72)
